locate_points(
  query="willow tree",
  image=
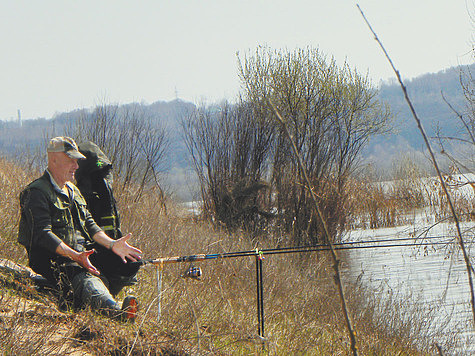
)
(331, 113)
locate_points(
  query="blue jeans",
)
(93, 291)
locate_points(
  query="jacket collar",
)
(55, 185)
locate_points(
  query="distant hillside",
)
(32, 136)
(425, 92)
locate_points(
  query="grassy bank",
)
(216, 314)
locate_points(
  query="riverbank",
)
(216, 314)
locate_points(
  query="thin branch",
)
(336, 261)
(460, 117)
(450, 138)
(436, 166)
(457, 162)
(439, 349)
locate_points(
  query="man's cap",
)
(66, 145)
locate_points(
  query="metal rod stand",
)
(260, 295)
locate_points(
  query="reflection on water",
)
(430, 279)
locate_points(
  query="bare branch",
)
(436, 166)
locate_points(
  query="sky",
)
(61, 55)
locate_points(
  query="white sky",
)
(60, 55)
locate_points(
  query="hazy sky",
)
(59, 55)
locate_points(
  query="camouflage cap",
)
(66, 145)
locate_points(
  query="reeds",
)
(394, 203)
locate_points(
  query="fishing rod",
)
(295, 249)
(195, 272)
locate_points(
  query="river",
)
(426, 283)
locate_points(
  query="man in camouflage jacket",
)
(55, 227)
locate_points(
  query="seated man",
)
(55, 226)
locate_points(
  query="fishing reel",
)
(192, 272)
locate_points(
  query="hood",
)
(96, 161)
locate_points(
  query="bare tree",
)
(134, 141)
(229, 151)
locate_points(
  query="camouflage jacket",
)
(49, 216)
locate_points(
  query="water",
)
(421, 281)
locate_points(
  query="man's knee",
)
(92, 291)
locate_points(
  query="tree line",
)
(248, 177)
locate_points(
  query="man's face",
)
(62, 167)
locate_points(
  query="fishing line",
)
(344, 247)
(353, 245)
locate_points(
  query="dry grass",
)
(388, 204)
(12, 180)
(215, 315)
(462, 194)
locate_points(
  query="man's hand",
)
(125, 251)
(81, 258)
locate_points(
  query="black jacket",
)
(49, 216)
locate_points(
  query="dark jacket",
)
(94, 180)
(49, 216)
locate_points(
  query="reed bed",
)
(395, 203)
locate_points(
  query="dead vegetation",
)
(215, 315)
(395, 203)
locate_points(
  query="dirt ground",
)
(32, 324)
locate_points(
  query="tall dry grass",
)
(462, 192)
(397, 202)
(216, 314)
(12, 180)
